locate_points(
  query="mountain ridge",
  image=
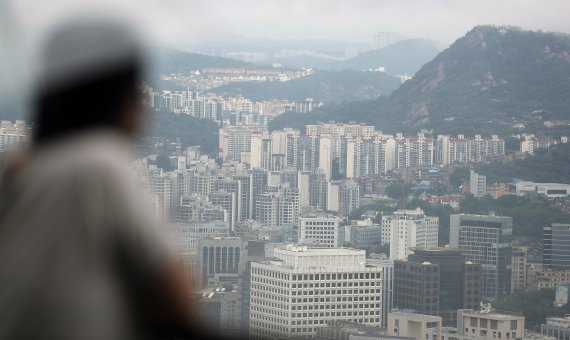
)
(493, 79)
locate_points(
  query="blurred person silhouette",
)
(80, 255)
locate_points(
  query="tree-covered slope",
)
(326, 86)
(190, 130)
(169, 60)
(545, 166)
(488, 80)
(487, 77)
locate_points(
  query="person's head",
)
(88, 81)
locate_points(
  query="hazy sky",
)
(350, 20)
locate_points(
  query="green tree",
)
(535, 306)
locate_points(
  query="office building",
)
(436, 281)
(486, 240)
(189, 233)
(365, 234)
(547, 190)
(218, 260)
(407, 323)
(557, 327)
(557, 246)
(387, 266)
(409, 228)
(321, 231)
(305, 288)
(488, 324)
(220, 311)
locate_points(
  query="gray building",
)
(557, 246)
(557, 327)
(346, 330)
(437, 282)
(365, 234)
(218, 260)
(486, 240)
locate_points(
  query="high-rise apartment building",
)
(409, 228)
(461, 149)
(519, 268)
(413, 151)
(486, 240)
(477, 184)
(557, 246)
(305, 288)
(318, 190)
(349, 196)
(197, 209)
(235, 141)
(384, 39)
(369, 156)
(278, 207)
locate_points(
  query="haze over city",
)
(291, 170)
(179, 21)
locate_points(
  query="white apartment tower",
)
(325, 156)
(304, 288)
(409, 228)
(477, 184)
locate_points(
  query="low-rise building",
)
(489, 324)
(407, 323)
(365, 234)
(561, 294)
(557, 327)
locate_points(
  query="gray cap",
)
(84, 49)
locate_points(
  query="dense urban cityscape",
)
(302, 214)
(268, 229)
